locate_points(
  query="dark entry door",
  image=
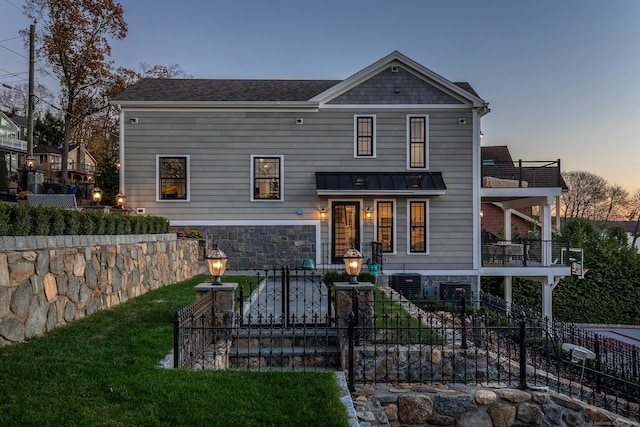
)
(345, 230)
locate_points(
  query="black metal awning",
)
(380, 183)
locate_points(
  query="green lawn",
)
(103, 370)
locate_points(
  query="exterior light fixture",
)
(118, 165)
(217, 262)
(353, 262)
(323, 213)
(96, 195)
(31, 162)
(120, 199)
(368, 213)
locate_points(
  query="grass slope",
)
(103, 371)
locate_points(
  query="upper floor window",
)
(266, 176)
(365, 136)
(418, 221)
(385, 225)
(173, 177)
(417, 142)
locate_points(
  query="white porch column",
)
(507, 224)
(547, 296)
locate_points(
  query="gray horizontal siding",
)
(220, 145)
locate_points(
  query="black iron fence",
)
(435, 341)
(391, 339)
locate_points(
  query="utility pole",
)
(32, 41)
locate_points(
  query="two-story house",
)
(81, 165)
(278, 171)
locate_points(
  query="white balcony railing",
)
(13, 144)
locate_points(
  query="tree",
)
(49, 130)
(171, 71)
(586, 191)
(14, 100)
(615, 202)
(634, 215)
(73, 39)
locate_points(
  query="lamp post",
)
(353, 262)
(120, 200)
(217, 262)
(96, 195)
(30, 163)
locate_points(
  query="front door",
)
(345, 230)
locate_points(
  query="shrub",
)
(74, 222)
(42, 217)
(5, 219)
(330, 277)
(22, 221)
(57, 222)
(191, 234)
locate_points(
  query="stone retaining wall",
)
(47, 282)
(256, 247)
(482, 406)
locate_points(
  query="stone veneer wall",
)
(481, 406)
(256, 247)
(50, 281)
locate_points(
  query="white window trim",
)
(188, 176)
(426, 228)
(426, 141)
(394, 225)
(252, 182)
(355, 136)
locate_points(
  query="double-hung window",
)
(418, 226)
(266, 177)
(172, 177)
(364, 136)
(385, 225)
(417, 142)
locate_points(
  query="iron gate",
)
(289, 298)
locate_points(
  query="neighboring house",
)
(81, 165)
(14, 147)
(389, 155)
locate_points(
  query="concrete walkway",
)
(306, 302)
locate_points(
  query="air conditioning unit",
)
(407, 284)
(453, 291)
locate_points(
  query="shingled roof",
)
(225, 90)
(221, 90)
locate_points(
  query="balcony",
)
(13, 144)
(525, 253)
(522, 174)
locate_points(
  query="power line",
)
(13, 51)
(12, 38)
(19, 8)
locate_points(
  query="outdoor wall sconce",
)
(353, 262)
(368, 213)
(118, 165)
(96, 195)
(31, 162)
(217, 262)
(323, 213)
(120, 199)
